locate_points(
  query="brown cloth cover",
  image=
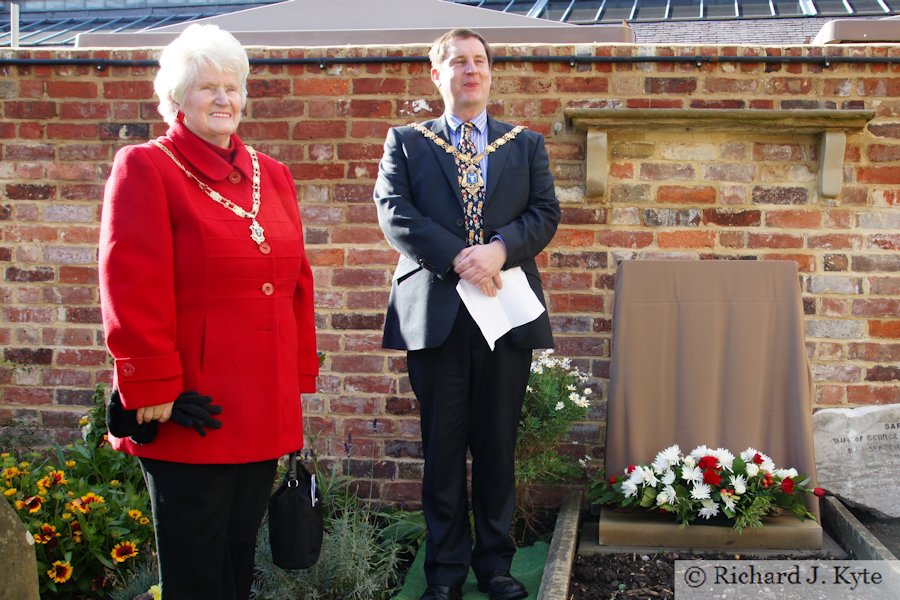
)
(709, 352)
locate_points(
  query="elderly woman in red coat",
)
(207, 300)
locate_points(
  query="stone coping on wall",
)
(831, 126)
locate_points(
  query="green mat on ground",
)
(527, 567)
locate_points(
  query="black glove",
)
(193, 410)
(123, 423)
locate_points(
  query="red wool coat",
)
(190, 302)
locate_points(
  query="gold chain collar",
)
(462, 156)
(257, 233)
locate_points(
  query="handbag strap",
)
(291, 475)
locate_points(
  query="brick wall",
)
(671, 194)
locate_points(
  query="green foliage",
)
(556, 398)
(364, 551)
(86, 507)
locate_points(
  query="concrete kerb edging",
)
(563, 546)
(852, 534)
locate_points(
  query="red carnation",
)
(819, 492)
(630, 469)
(613, 479)
(709, 462)
(712, 478)
(787, 485)
(757, 458)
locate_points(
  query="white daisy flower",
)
(692, 473)
(738, 483)
(671, 494)
(560, 406)
(629, 488)
(700, 491)
(710, 509)
(667, 458)
(668, 477)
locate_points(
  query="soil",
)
(651, 575)
(635, 576)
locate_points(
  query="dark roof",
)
(778, 22)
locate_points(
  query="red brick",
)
(319, 86)
(268, 87)
(72, 274)
(361, 278)
(833, 241)
(353, 406)
(72, 131)
(670, 85)
(686, 239)
(274, 108)
(364, 109)
(71, 89)
(357, 235)
(878, 175)
(325, 257)
(576, 303)
(625, 239)
(17, 109)
(367, 300)
(129, 90)
(889, 328)
(357, 363)
(794, 219)
(871, 394)
(27, 395)
(373, 85)
(315, 130)
(686, 195)
(386, 257)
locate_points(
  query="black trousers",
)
(206, 519)
(470, 399)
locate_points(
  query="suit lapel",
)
(497, 158)
(445, 159)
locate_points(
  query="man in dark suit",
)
(464, 197)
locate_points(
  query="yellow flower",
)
(135, 514)
(88, 499)
(32, 503)
(4, 454)
(60, 572)
(10, 492)
(83, 421)
(114, 483)
(48, 534)
(155, 591)
(67, 516)
(123, 551)
(70, 463)
(10, 472)
(144, 521)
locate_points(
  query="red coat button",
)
(234, 177)
(265, 248)
(268, 289)
(127, 369)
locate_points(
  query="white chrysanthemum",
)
(692, 474)
(748, 454)
(667, 458)
(728, 501)
(668, 477)
(710, 509)
(560, 405)
(671, 494)
(785, 473)
(700, 491)
(689, 461)
(752, 470)
(738, 483)
(724, 457)
(767, 463)
(701, 451)
(629, 488)
(661, 498)
(643, 476)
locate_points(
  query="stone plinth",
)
(661, 531)
(17, 561)
(858, 456)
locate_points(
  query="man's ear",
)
(436, 77)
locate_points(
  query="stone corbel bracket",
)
(832, 127)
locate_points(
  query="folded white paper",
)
(515, 304)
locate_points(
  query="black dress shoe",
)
(500, 585)
(441, 592)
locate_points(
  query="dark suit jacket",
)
(420, 211)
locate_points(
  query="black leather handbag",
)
(295, 519)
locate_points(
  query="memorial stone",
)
(17, 561)
(858, 456)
